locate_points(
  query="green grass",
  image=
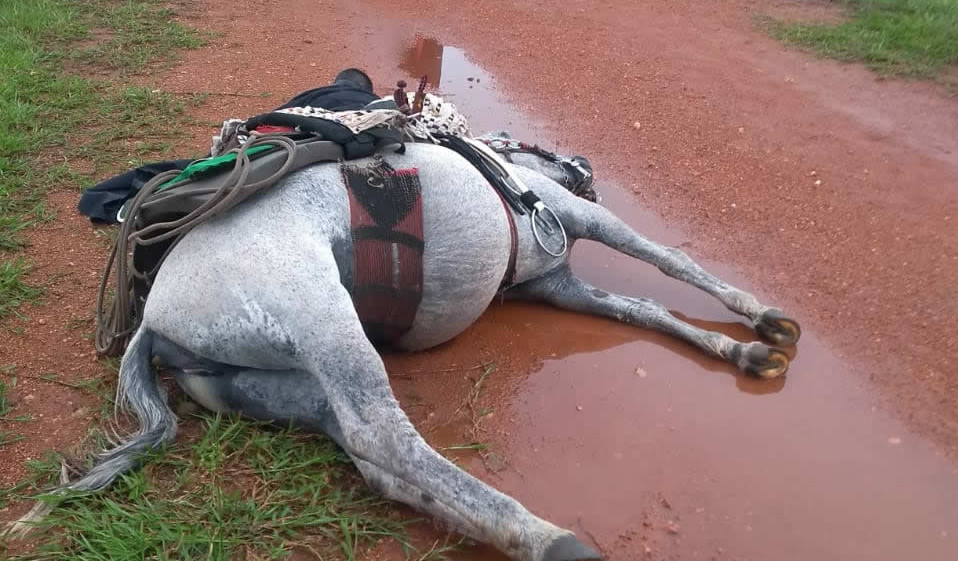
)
(6, 437)
(4, 402)
(59, 128)
(226, 489)
(13, 290)
(137, 33)
(913, 38)
(239, 491)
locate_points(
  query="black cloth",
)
(102, 201)
(341, 96)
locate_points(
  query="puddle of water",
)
(621, 435)
(425, 58)
(473, 90)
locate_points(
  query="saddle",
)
(252, 155)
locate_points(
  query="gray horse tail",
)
(136, 389)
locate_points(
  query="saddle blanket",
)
(387, 233)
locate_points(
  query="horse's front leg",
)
(593, 222)
(564, 290)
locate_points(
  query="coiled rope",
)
(114, 326)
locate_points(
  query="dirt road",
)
(810, 183)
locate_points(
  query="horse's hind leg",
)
(292, 313)
(553, 544)
(364, 417)
(596, 223)
(564, 290)
(368, 423)
(353, 404)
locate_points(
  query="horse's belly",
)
(466, 253)
(282, 239)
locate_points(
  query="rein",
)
(506, 182)
(580, 185)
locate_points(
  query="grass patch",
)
(6, 437)
(136, 33)
(240, 491)
(61, 129)
(13, 291)
(913, 38)
(4, 402)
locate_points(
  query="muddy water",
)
(651, 451)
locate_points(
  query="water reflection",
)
(424, 58)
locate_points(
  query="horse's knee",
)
(644, 312)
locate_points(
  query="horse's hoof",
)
(569, 548)
(774, 326)
(765, 362)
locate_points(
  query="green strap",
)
(200, 167)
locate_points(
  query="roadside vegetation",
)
(228, 489)
(231, 490)
(911, 38)
(63, 121)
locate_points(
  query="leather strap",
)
(510, 277)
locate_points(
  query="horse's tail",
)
(136, 389)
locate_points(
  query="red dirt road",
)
(728, 117)
(810, 183)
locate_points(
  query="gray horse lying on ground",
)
(250, 314)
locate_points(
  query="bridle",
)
(580, 177)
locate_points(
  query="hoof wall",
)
(568, 548)
(765, 362)
(777, 328)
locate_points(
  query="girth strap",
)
(509, 279)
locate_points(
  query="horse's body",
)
(250, 313)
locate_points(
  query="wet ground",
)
(638, 442)
(633, 440)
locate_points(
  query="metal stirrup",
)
(529, 198)
(535, 231)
